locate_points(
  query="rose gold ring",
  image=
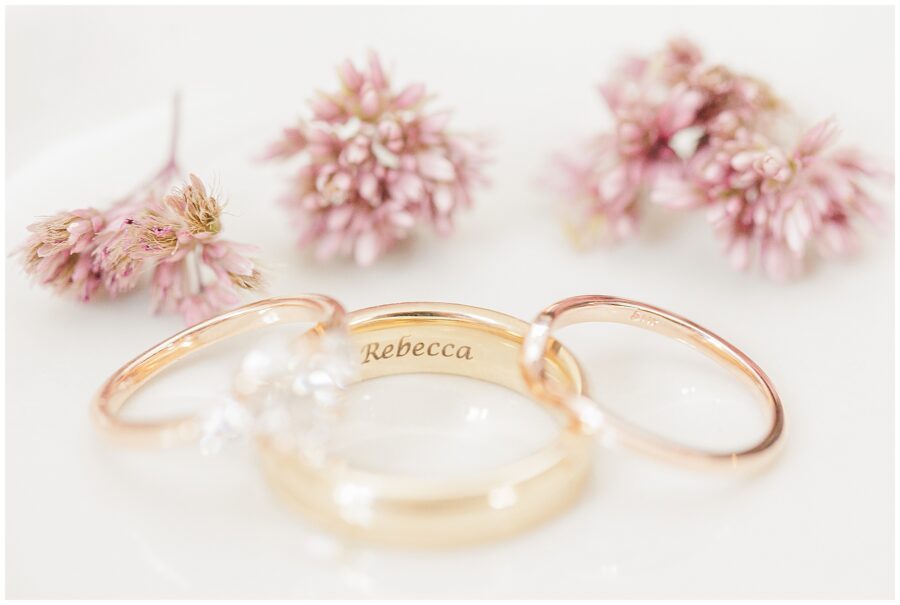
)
(594, 418)
(114, 394)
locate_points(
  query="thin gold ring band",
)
(114, 394)
(594, 418)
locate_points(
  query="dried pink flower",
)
(115, 258)
(177, 287)
(58, 251)
(651, 102)
(601, 186)
(232, 263)
(688, 134)
(176, 232)
(375, 165)
(171, 225)
(780, 206)
(179, 232)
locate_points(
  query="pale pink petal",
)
(409, 186)
(375, 72)
(366, 249)
(411, 95)
(675, 191)
(329, 244)
(325, 109)
(797, 228)
(339, 217)
(443, 199)
(679, 111)
(818, 137)
(779, 263)
(436, 122)
(614, 183)
(739, 253)
(434, 165)
(839, 239)
(349, 76)
(402, 219)
(368, 187)
(370, 103)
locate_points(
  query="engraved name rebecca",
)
(375, 350)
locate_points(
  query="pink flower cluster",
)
(689, 134)
(375, 164)
(172, 233)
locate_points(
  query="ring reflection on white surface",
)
(438, 425)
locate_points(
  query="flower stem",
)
(162, 179)
(176, 130)
(193, 276)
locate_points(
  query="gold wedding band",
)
(410, 510)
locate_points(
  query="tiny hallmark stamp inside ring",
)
(644, 319)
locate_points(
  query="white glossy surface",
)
(86, 96)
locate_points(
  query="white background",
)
(86, 106)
